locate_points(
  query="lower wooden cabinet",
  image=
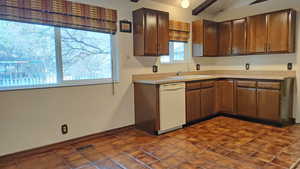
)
(268, 104)
(208, 101)
(225, 96)
(200, 100)
(193, 105)
(246, 102)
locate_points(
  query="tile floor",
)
(219, 143)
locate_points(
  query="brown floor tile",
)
(107, 164)
(221, 142)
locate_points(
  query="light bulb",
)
(185, 3)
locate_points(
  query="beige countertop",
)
(208, 75)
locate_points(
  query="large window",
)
(176, 53)
(36, 56)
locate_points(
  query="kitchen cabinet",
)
(193, 105)
(200, 100)
(225, 96)
(272, 33)
(150, 32)
(239, 36)
(225, 38)
(208, 102)
(268, 100)
(268, 104)
(246, 101)
(246, 98)
(205, 38)
(281, 31)
(262, 100)
(267, 33)
(257, 34)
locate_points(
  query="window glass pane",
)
(27, 54)
(165, 59)
(85, 55)
(178, 51)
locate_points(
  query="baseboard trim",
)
(50, 147)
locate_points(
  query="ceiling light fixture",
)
(185, 3)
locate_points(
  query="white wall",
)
(32, 118)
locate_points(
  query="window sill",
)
(65, 84)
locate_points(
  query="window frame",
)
(171, 54)
(59, 67)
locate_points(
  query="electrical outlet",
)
(290, 66)
(198, 67)
(64, 129)
(247, 66)
(154, 68)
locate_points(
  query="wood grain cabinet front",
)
(268, 104)
(208, 101)
(225, 96)
(150, 32)
(281, 31)
(246, 102)
(205, 38)
(239, 36)
(200, 100)
(225, 38)
(272, 32)
(257, 34)
(193, 105)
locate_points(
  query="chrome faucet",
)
(179, 73)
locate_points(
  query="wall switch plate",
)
(247, 66)
(198, 67)
(154, 68)
(290, 66)
(64, 129)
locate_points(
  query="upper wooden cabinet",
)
(281, 31)
(257, 34)
(225, 38)
(239, 40)
(205, 38)
(150, 32)
(260, 34)
(272, 33)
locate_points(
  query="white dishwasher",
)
(171, 107)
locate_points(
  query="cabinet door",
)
(239, 33)
(257, 34)
(210, 38)
(268, 104)
(193, 105)
(208, 102)
(163, 34)
(225, 96)
(225, 35)
(246, 102)
(150, 33)
(278, 32)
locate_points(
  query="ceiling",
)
(215, 8)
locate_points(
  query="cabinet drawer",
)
(207, 84)
(193, 85)
(244, 83)
(225, 82)
(268, 85)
